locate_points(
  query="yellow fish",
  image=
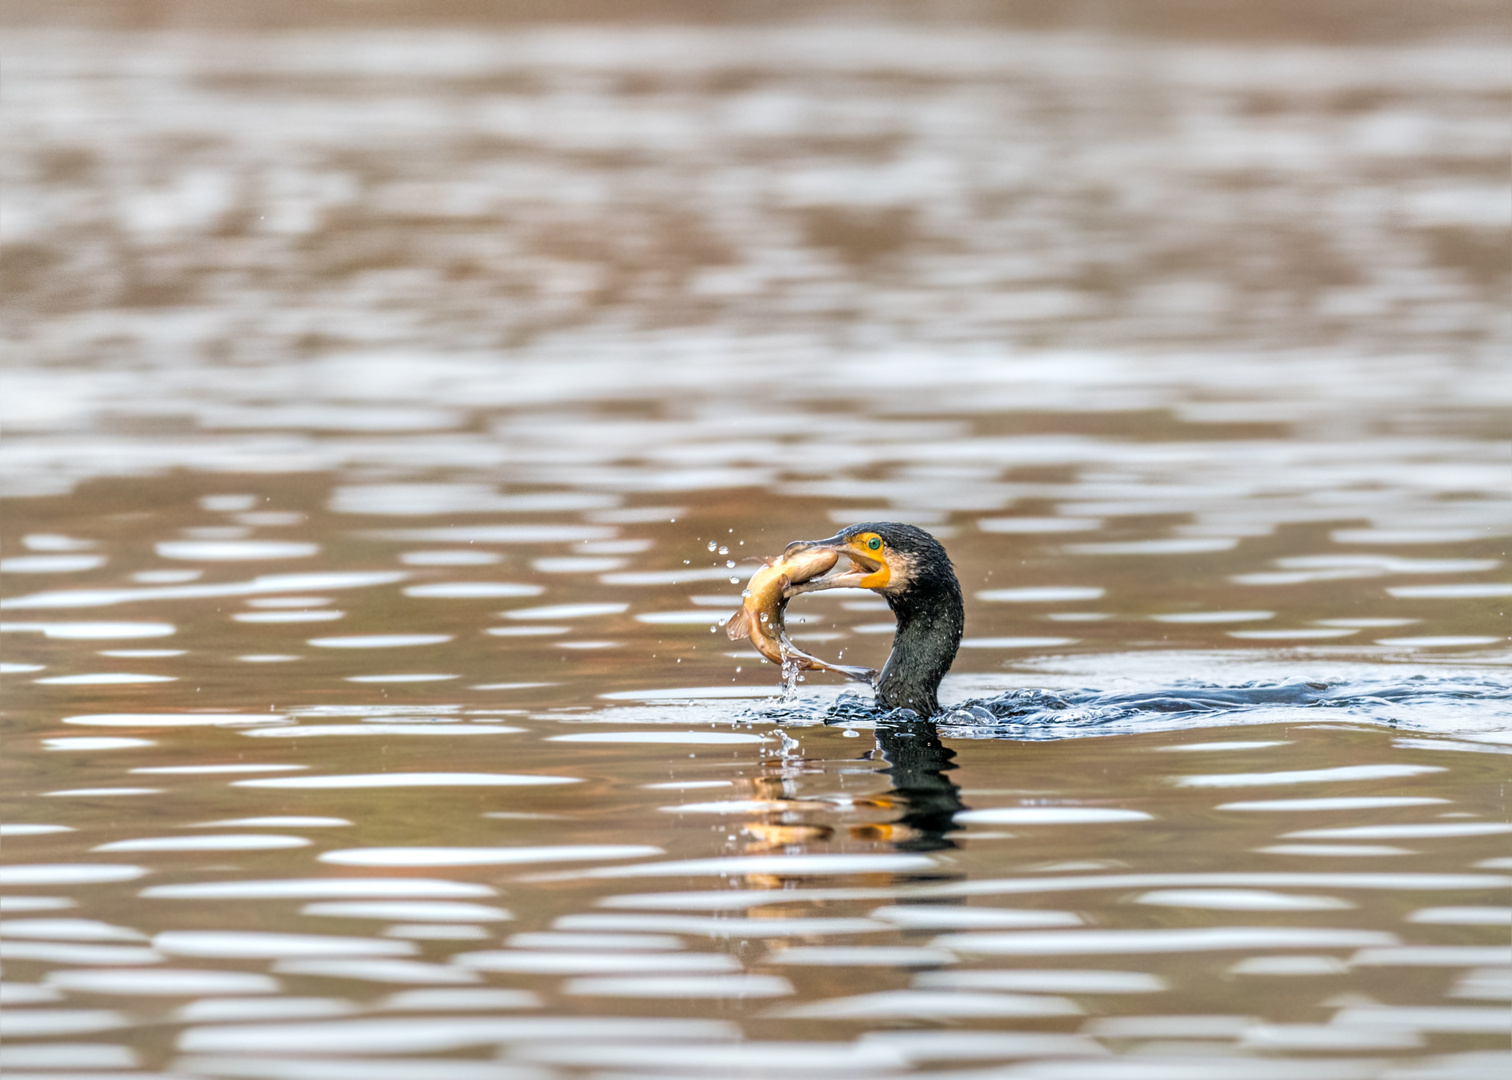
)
(760, 618)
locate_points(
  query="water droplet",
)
(850, 733)
(734, 581)
(730, 563)
(724, 551)
(713, 545)
(764, 617)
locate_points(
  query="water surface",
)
(393, 414)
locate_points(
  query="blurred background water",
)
(395, 396)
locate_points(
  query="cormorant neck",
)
(931, 618)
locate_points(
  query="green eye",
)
(875, 543)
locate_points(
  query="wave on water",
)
(1421, 703)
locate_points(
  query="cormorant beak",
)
(861, 572)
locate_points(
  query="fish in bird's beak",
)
(861, 564)
(764, 605)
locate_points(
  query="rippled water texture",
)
(391, 414)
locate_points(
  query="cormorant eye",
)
(875, 543)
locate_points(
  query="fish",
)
(760, 617)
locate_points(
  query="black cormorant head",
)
(886, 556)
(911, 570)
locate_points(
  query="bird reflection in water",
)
(917, 764)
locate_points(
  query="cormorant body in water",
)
(912, 572)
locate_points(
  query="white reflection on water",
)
(1213, 616)
(1390, 882)
(32, 830)
(165, 981)
(68, 1056)
(895, 956)
(267, 583)
(69, 930)
(1051, 815)
(172, 720)
(553, 612)
(803, 1059)
(67, 873)
(1298, 1037)
(400, 1035)
(212, 770)
(926, 1004)
(92, 631)
(1422, 831)
(50, 564)
(1185, 939)
(1048, 981)
(500, 534)
(451, 557)
(1466, 591)
(84, 743)
(1340, 802)
(380, 641)
(44, 1023)
(446, 1000)
(1290, 965)
(955, 917)
(1305, 776)
(402, 972)
(427, 500)
(473, 590)
(680, 738)
(580, 962)
(1463, 916)
(413, 911)
(486, 856)
(701, 987)
(553, 939)
(226, 842)
(109, 678)
(245, 1067)
(380, 729)
(401, 677)
(1462, 1018)
(803, 865)
(325, 615)
(775, 927)
(275, 821)
(1242, 900)
(256, 944)
(313, 889)
(235, 550)
(407, 780)
(283, 1006)
(69, 953)
(1043, 594)
(1432, 956)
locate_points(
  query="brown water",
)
(390, 415)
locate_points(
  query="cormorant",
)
(912, 572)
